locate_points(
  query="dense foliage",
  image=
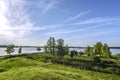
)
(10, 49)
(38, 48)
(57, 48)
(98, 49)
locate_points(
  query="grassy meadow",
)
(36, 68)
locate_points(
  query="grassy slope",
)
(22, 68)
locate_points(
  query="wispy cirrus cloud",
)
(52, 26)
(96, 33)
(14, 22)
(77, 16)
(46, 5)
(49, 6)
(77, 30)
(98, 20)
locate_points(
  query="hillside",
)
(23, 68)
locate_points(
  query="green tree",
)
(97, 60)
(60, 48)
(38, 49)
(45, 49)
(73, 53)
(106, 51)
(10, 49)
(81, 53)
(87, 50)
(92, 54)
(66, 49)
(20, 50)
(97, 48)
(51, 45)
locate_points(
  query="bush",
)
(97, 60)
(2, 69)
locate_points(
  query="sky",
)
(78, 22)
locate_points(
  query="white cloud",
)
(98, 20)
(14, 22)
(93, 36)
(77, 16)
(46, 5)
(76, 30)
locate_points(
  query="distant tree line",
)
(57, 48)
(98, 49)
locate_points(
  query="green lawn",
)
(22, 68)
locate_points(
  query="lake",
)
(33, 50)
(24, 50)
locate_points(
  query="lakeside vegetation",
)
(58, 62)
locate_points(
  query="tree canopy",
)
(10, 49)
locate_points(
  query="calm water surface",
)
(33, 50)
(24, 50)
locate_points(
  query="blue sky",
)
(78, 22)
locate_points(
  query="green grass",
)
(22, 68)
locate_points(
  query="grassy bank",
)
(26, 68)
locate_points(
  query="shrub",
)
(97, 59)
(2, 69)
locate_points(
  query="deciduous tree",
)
(38, 48)
(92, 53)
(66, 49)
(51, 45)
(106, 51)
(97, 48)
(87, 51)
(10, 49)
(20, 50)
(60, 48)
